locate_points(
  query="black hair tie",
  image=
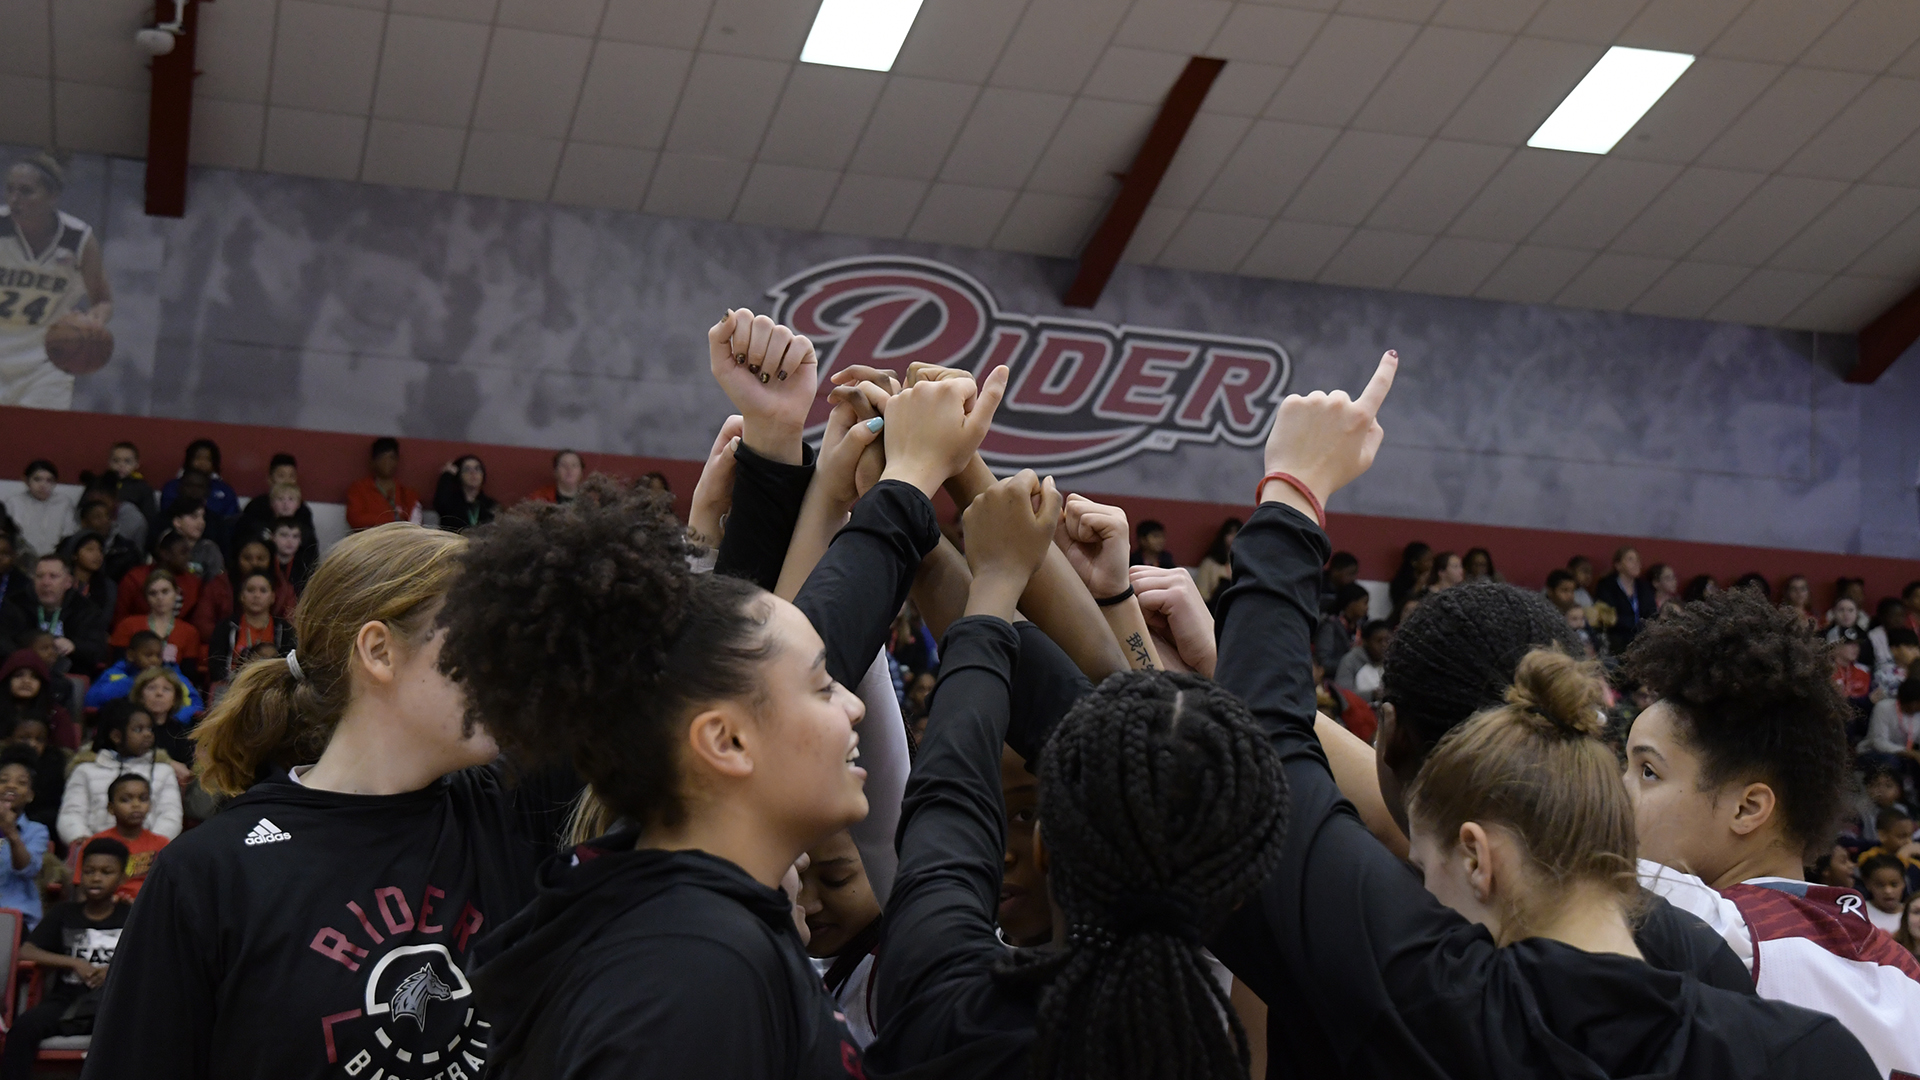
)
(1156, 912)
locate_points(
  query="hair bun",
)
(1559, 694)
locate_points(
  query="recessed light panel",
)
(859, 33)
(1608, 102)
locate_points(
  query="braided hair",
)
(1163, 807)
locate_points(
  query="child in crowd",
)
(170, 553)
(1152, 549)
(76, 942)
(1894, 830)
(380, 497)
(122, 745)
(1908, 936)
(1903, 652)
(50, 772)
(295, 553)
(1361, 668)
(1854, 678)
(145, 651)
(180, 641)
(25, 840)
(1880, 790)
(129, 797)
(1884, 879)
(29, 692)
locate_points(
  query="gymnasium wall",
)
(338, 307)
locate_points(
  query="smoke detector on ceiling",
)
(154, 41)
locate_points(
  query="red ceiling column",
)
(170, 112)
(1885, 338)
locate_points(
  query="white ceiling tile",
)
(1096, 141)
(1776, 30)
(1776, 211)
(611, 177)
(509, 165)
(532, 83)
(958, 214)
(881, 206)
(226, 134)
(785, 196)
(1184, 26)
(695, 185)
(93, 43)
(1896, 255)
(324, 57)
(1533, 275)
(676, 24)
(1499, 16)
(1211, 138)
(820, 116)
(1521, 195)
(724, 109)
(1346, 61)
(1612, 195)
(958, 39)
(413, 155)
(28, 120)
(25, 48)
(1846, 304)
(1003, 138)
(1767, 296)
(1136, 75)
(1294, 250)
(1054, 225)
(912, 128)
(1454, 266)
(1433, 77)
(1265, 35)
(580, 18)
(1877, 122)
(1356, 173)
(430, 70)
(1710, 96)
(1270, 164)
(1855, 222)
(1441, 181)
(1612, 282)
(105, 119)
(1374, 259)
(306, 143)
(1409, 10)
(630, 93)
(1057, 43)
(1242, 89)
(1595, 21)
(1690, 207)
(1212, 242)
(1792, 111)
(235, 44)
(1521, 90)
(768, 29)
(1155, 228)
(463, 10)
(1689, 290)
(1869, 37)
(1687, 26)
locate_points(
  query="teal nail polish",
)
(876, 423)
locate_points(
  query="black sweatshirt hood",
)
(1633, 1021)
(580, 893)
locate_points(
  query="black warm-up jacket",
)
(650, 963)
(1366, 975)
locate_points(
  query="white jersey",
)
(35, 290)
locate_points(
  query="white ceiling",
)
(1377, 143)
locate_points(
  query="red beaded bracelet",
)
(1319, 513)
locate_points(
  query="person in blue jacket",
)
(144, 651)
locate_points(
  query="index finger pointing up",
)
(1382, 381)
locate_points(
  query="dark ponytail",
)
(1163, 807)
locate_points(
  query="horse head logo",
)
(415, 992)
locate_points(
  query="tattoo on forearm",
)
(1138, 646)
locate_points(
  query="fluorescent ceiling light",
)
(1609, 101)
(859, 33)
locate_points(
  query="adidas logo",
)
(266, 832)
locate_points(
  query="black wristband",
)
(1117, 598)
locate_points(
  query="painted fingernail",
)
(755, 368)
(763, 376)
(876, 423)
(783, 376)
(739, 358)
(1395, 353)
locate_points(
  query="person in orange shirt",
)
(380, 498)
(569, 470)
(183, 645)
(128, 798)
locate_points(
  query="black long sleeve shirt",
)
(1366, 974)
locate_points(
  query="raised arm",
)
(772, 466)
(1093, 536)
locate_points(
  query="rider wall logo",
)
(1082, 395)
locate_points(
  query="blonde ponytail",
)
(270, 719)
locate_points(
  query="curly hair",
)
(1163, 807)
(1753, 688)
(580, 634)
(1456, 654)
